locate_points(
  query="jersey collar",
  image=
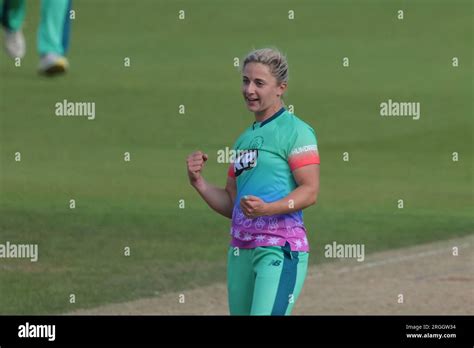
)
(275, 115)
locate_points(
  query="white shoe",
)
(15, 43)
(52, 64)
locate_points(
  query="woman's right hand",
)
(195, 163)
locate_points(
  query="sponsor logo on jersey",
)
(305, 148)
(246, 160)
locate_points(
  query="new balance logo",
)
(275, 263)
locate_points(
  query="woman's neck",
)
(266, 114)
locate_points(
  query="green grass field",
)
(190, 62)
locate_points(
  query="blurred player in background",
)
(274, 176)
(53, 32)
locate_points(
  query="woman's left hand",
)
(253, 206)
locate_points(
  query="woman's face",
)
(260, 88)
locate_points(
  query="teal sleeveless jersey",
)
(267, 153)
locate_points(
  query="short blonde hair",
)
(272, 58)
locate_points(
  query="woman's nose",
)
(249, 89)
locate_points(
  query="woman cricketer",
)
(274, 176)
(53, 33)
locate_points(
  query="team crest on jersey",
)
(256, 142)
(247, 160)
